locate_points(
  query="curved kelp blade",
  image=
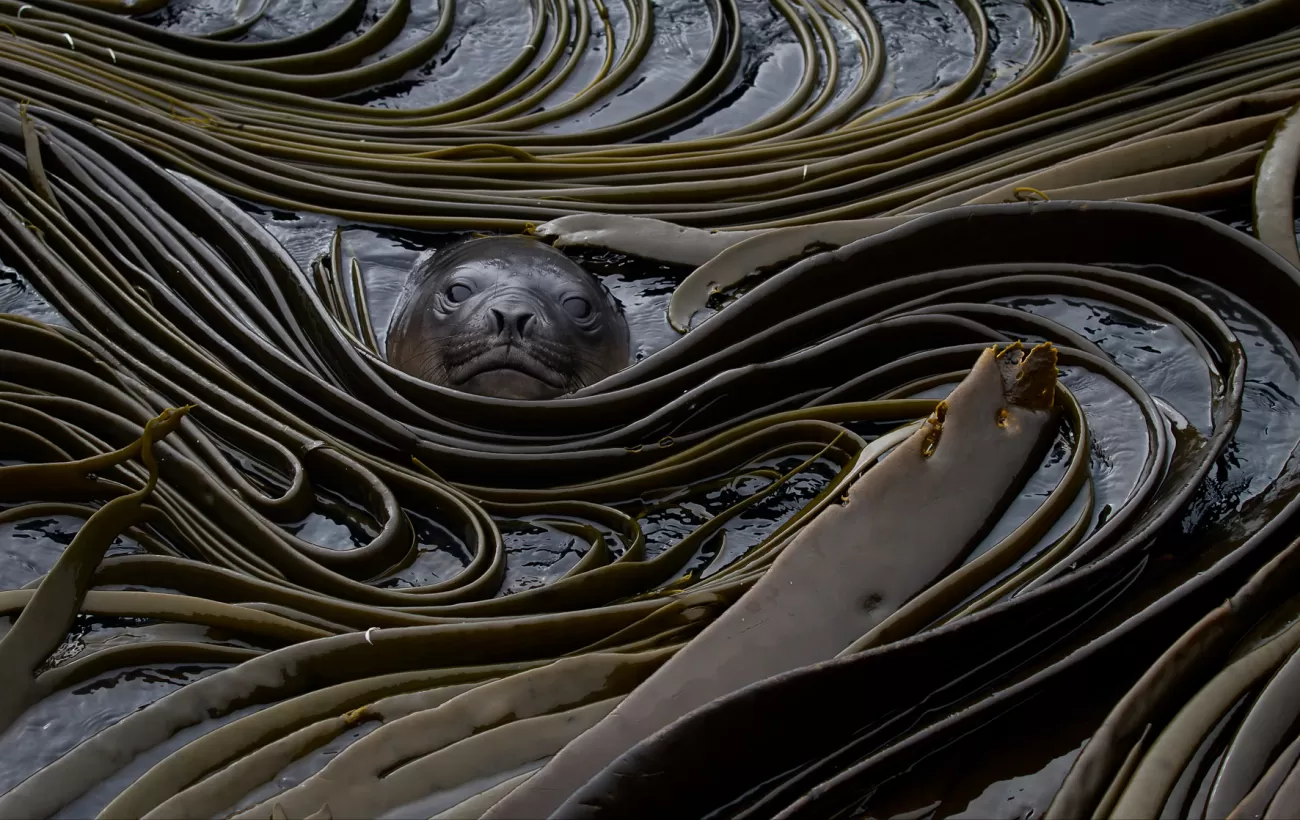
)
(825, 718)
(48, 615)
(1275, 181)
(670, 490)
(1250, 772)
(856, 563)
(757, 252)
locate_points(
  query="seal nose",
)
(514, 318)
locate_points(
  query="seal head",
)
(507, 317)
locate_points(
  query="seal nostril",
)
(518, 319)
(522, 321)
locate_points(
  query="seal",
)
(508, 317)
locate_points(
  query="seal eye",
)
(577, 307)
(458, 293)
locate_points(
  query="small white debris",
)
(368, 631)
(113, 55)
(71, 44)
(805, 172)
(21, 9)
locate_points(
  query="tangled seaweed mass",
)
(300, 583)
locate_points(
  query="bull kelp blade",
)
(767, 250)
(1263, 731)
(288, 378)
(49, 614)
(847, 570)
(1192, 658)
(1274, 194)
(640, 236)
(394, 765)
(1173, 749)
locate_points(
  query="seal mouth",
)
(512, 357)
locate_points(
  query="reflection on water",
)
(1095, 20)
(18, 296)
(485, 37)
(30, 547)
(964, 781)
(51, 728)
(928, 42)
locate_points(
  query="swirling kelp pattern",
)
(440, 661)
(1185, 113)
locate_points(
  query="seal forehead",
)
(514, 268)
(519, 261)
(490, 248)
(513, 257)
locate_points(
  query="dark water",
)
(50, 729)
(929, 46)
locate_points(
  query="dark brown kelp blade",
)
(848, 569)
(177, 292)
(726, 755)
(731, 747)
(914, 303)
(46, 618)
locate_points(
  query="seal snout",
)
(512, 319)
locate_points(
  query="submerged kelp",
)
(517, 569)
